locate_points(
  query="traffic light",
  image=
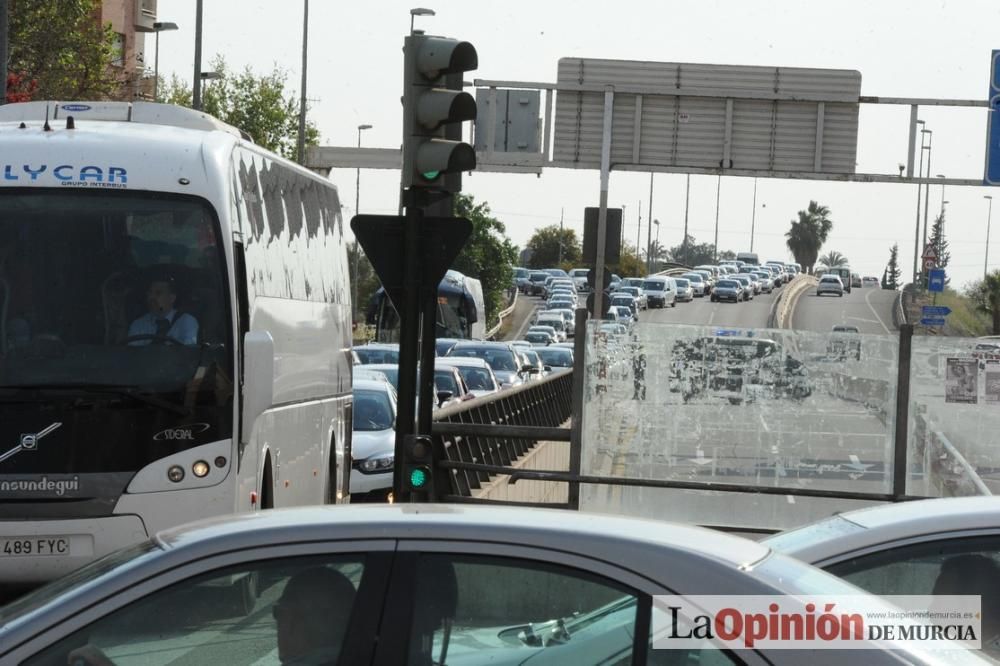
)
(434, 106)
(418, 464)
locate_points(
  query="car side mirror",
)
(258, 385)
(548, 368)
(443, 397)
(528, 368)
(532, 370)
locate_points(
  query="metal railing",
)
(503, 314)
(496, 431)
(945, 468)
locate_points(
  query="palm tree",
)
(807, 234)
(986, 295)
(833, 259)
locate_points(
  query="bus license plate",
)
(33, 546)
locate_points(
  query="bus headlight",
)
(200, 469)
(175, 473)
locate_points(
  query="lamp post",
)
(159, 27)
(357, 211)
(207, 76)
(301, 143)
(916, 233)
(989, 216)
(419, 11)
(649, 229)
(927, 192)
(718, 191)
(687, 200)
(196, 84)
(943, 202)
(657, 223)
(753, 213)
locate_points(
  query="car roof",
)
(884, 524)
(371, 385)
(496, 524)
(474, 361)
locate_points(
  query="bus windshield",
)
(111, 302)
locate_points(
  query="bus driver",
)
(163, 321)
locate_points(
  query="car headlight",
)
(374, 465)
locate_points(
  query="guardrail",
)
(898, 311)
(501, 316)
(945, 468)
(496, 431)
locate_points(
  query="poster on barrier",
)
(961, 381)
(992, 373)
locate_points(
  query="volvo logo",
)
(182, 433)
(29, 441)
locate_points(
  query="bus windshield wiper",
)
(114, 389)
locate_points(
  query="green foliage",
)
(544, 246)
(366, 280)
(62, 51)
(940, 244)
(258, 105)
(629, 264)
(834, 259)
(985, 295)
(890, 278)
(488, 255)
(807, 235)
(696, 254)
(966, 319)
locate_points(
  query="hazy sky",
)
(909, 48)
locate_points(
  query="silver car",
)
(411, 584)
(830, 284)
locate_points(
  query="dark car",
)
(727, 290)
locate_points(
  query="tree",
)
(807, 234)
(834, 259)
(544, 246)
(367, 282)
(939, 243)
(20, 89)
(60, 50)
(488, 255)
(629, 264)
(695, 253)
(258, 105)
(890, 278)
(985, 294)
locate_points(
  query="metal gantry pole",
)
(602, 216)
(302, 101)
(753, 213)
(718, 192)
(196, 86)
(156, 68)
(638, 233)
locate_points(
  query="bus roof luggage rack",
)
(137, 112)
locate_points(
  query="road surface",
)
(867, 308)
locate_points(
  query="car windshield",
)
(498, 359)
(372, 410)
(477, 379)
(369, 355)
(694, 277)
(654, 285)
(681, 283)
(444, 380)
(727, 284)
(562, 358)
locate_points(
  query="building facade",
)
(132, 21)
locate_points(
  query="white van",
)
(660, 291)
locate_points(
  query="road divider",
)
(500, 317)
(783, 306)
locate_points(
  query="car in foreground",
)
(366, 585)
(934, 546)
(502, 357)
(727, 290)
(830, 284)
(660, 291)
(373, 439)
(556, 358)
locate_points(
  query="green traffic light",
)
(431, 175)
(418, 477)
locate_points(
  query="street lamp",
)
(943, 202)
(927, 192)
(753, 213)
(916, 233)
(419, 11)
(657, 223)
(357, 211)
(159, 27)
(989, 216)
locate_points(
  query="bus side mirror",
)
(258, 378)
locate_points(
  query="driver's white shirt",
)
(184, 328)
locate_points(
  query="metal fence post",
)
(576, 432)
(900, 466)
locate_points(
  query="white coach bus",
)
(175, 328)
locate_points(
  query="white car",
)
(830, 284)
(373, 439)
(555, 321)
(660, 291)
(476, 372)
(579, 276)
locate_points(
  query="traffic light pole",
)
(409, 332)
